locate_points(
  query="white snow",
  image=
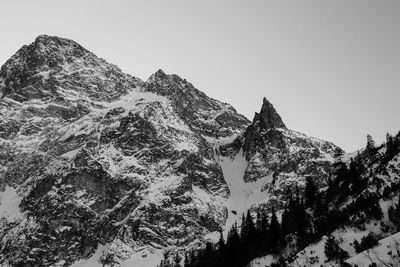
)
(188, 146)
(83, 126)
(70, 155)
(147, 257)
(212, 237)
(384, 254)
(154, 193)
(312, 255)
(202, 197)
(9, 202)
(134, 100)
(93, 260)
(242, 195)
(262, 261)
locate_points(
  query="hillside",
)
(98, 167)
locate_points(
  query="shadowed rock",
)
(268, 116)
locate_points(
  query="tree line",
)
(307, 217)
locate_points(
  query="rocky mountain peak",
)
(268, 139)
(45, 52)
(38, 70)
(268, 117)
(160, 74)
(48, 40)
(168, 81)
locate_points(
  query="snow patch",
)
(242, 195)
(262, 261)
(144, 257)
(9, 202)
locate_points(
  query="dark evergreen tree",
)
(187, 262)
(262, 233)
(233, 248)
(165, 261)
(310, 192)
(177, 260)
(354, 177)
(367, 242)
(320, 211)
(338, 153)
(274, 232)
(392, 148)
(291, 220)
(370, 148)
(333, 251)
(394, 214)
(285, 223)
(221, 242)
(251, 228)
(303, 225)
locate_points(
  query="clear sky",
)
(331, 68)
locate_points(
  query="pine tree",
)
(302, 222)
(354, 174)
(221, 242)
(233, 247)
(391, 147)
(285, 223)
(251, 227)
(333, 251)
(259, 222)
(177, 260)
(310, 192)
(330, 248)
(338, 153)
(165, 261)
(187, 262)
(263, 233)
(274, 232)
(244, 229)
(394, 214)
(370, 148)
(291, 221)
(320, 211)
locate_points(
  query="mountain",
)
(98, 167)
(352, 220)
(98, 156)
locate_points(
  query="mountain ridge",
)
(103, 163)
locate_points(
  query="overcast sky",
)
(331, 68)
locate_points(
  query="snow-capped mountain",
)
(98, 167)
(98, 156)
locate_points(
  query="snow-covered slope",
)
(243, 195)
(386, 253)
(365, 205)
(97, 165)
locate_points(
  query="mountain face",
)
(95, 156)
(281, 157)
(97, 166)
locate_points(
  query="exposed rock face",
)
(268, 116)
(272, 150)
(100, 157)
(202, 114)
(51, 66)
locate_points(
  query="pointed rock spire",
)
(160, 74)
(268, 116)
